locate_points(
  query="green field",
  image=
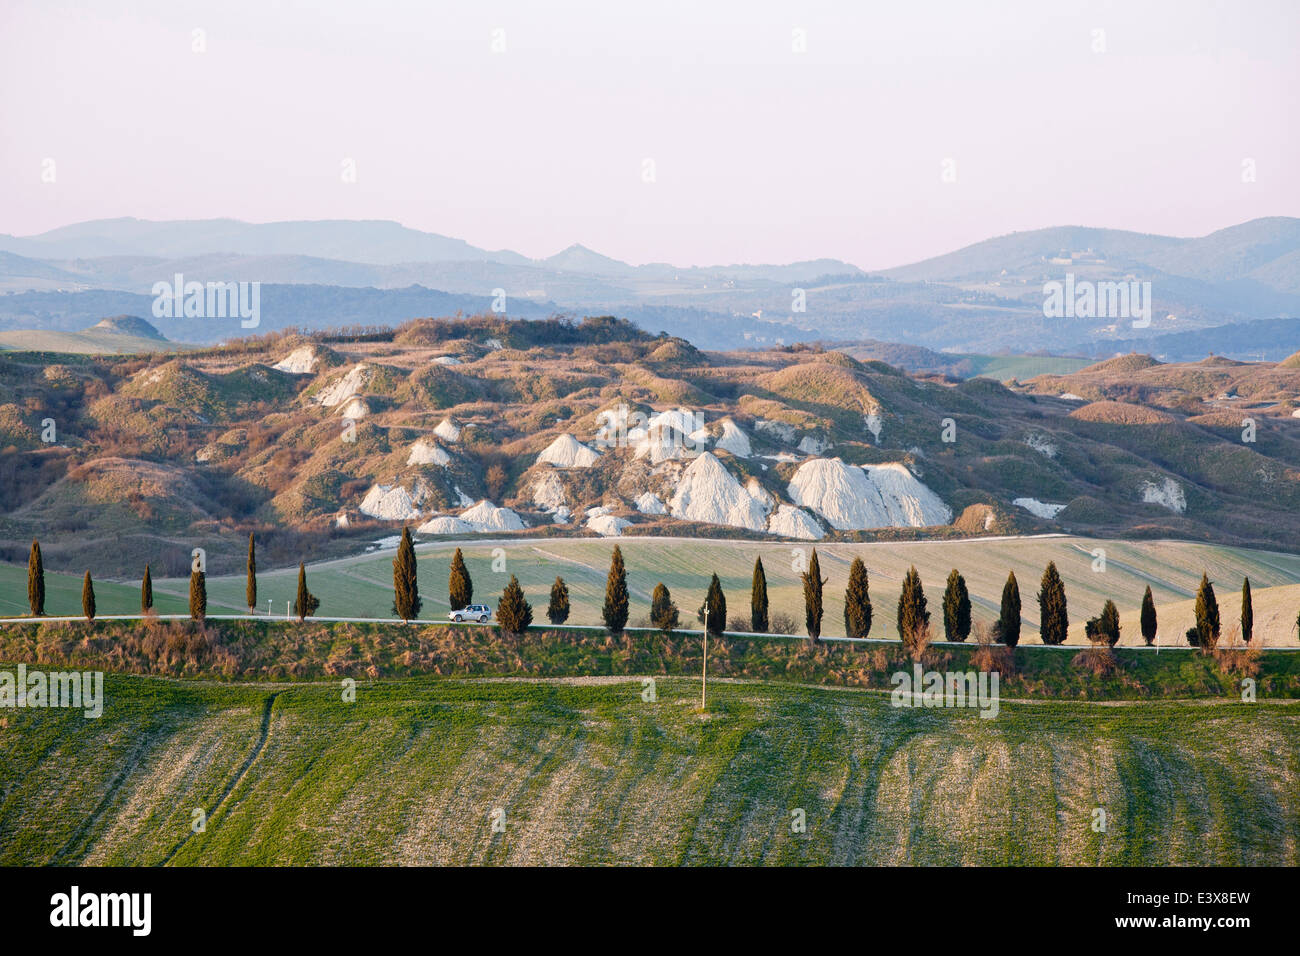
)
(589, 772)
(362, 586)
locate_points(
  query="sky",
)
(694, 132)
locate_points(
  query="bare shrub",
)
(1235, 659)
(915, 642)
(781, 623)
(989, 656)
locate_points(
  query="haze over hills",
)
(984, 298)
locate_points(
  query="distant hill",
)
(984, 299)
(372, 241)
(130, 325)
(118, 335)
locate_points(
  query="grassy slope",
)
(589, 773)
(83, 343)
(362, 586)
(1023, 367)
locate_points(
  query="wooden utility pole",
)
(704, 674)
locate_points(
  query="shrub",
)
(782, 623)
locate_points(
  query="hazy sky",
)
(760, 154)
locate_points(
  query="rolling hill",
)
(587, 772)
(554, 429)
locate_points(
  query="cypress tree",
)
(1108, 623)
(1007, 629)
(715, 622)
(912, 613)
(857, 601)
(1247, 612)
(758, 600)
(1205, 634)
(250, 589)
(36, 581)
(307, 603)
(558, 610)
(460, 589)
(198, 595)
(88, 597)
(514, 614)
(146, 592)
(615, 610)
(406, 587)
(812, 598)
(663, 612)
(1148, 617)
(956, 608)
(1053, 620)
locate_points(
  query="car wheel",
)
(483, 619)
(457, 618)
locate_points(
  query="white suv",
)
(475, 612)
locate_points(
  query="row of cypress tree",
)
(304, 606)
(514, 613)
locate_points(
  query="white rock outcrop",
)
(810, 445)
(425, 452)
(648, 503)
(354, 407)
(791, 522)
(548, 492)
(445, 524)
(1167, 494)
(853, 498)
(341, 389)
(447, 431)
(567, 452)
(389, 503)
(301, 361)
(708, 493)
(778, 430)
(485, 516)
(731, 438)
(1040, 509)
(609, 526)
(1041, 444)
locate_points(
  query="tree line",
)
(515, 614)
